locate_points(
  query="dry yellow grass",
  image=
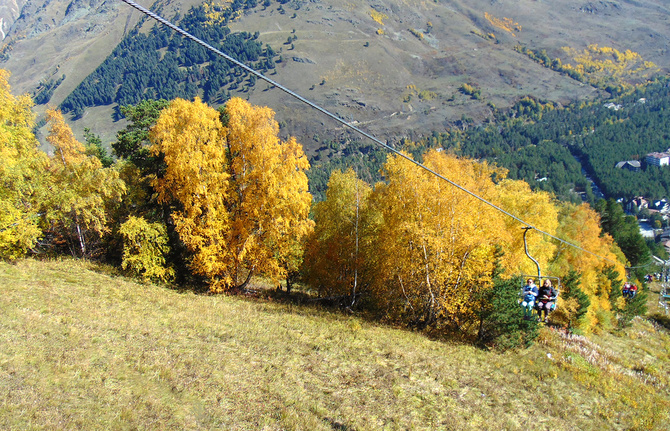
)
(80, 348)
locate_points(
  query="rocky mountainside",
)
(9, 13)
(397, 68)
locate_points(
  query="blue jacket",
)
(530, 292)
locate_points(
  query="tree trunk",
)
(80, 237)
(353, 290)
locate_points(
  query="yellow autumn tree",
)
(334, 257)
(80, 190)
(145, 246)
(580, 225)
(242, 192)
(428, 250)
(436, 245)
(538, 209)
(22, 169)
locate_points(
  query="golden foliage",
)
(536, 208)
(433, 244)
(243, 192)
(145, 246)
(487, 36)
(425, 251)
(412, 91)
(470, 90)
(601, 67)
(214, 11)
(189, 135)
(580, 224)
(80, 188)
(377, 17)
(22, 167)
(416, 33)
(334, 252)
(607, 65)
(506, 24)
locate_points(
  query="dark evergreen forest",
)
(161, 64)
(552, 147)
(536, 141)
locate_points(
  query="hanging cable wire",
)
(349, 125)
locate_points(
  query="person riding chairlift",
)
(528, 296)
(629, 290)
(546, 300)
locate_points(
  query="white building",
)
(662, 206)
(658, 159)
(631, 165)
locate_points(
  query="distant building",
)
(658, 159)
(646, 230)
(665, 236)
(611, 105)
(637, 204)
(661, 206)
(631, 165)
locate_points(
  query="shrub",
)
(637, 306)
(502, 325)
(145, 246)
(573, 304)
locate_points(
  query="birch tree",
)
(22, 170)
(242, 192)
(335, 252)
(80, 190)
(436, 243)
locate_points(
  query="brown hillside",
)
(393, 66)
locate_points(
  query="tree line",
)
(211, 197)
(541, 142)
(548, 145)
(161, 64)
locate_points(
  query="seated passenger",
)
(528, 296)
(546, 299)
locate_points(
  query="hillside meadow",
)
(82, 347)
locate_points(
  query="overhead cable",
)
(347, 124)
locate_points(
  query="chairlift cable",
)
(349, 125)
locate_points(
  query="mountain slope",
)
(394, 66)
(83, 349)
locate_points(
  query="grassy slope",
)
(83, 349)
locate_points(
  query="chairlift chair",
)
(539, 273)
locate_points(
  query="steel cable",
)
(350, 126)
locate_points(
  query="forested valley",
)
(548, 145)
(161, 64)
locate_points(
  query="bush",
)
(637, 306)
(145, 246)
(502, 325)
